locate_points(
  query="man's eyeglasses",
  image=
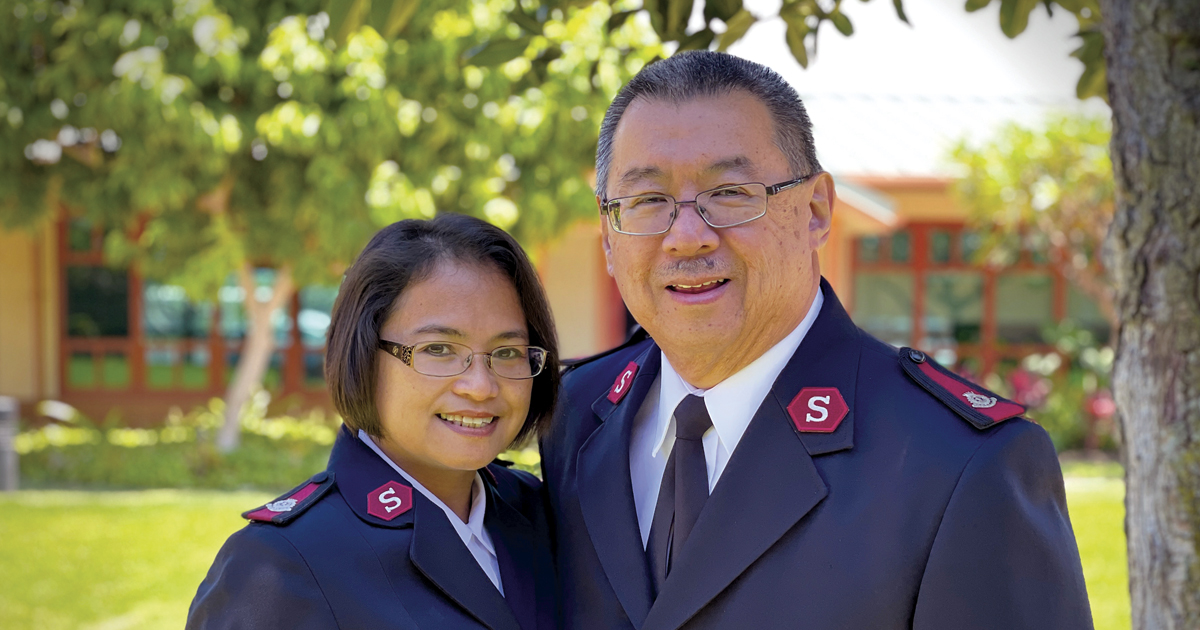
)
(446, 358)
(726, 206)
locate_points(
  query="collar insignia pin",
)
(285, 505)
(979, 401)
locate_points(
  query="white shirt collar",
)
(726, 401)
(474, 525)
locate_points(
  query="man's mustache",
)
(694, 267)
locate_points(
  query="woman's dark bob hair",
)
(407, 252)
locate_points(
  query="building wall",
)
(28, 292)
(587, 309)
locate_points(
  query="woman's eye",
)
(508, 353)
(437, 349)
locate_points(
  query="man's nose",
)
(690, 235)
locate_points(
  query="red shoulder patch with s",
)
(622, 385)
(975, 404)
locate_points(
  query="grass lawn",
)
(115, 560)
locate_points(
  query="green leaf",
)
(497, 51)
(1014, 15)
(723, 10)
(842, 23)
(698, 40)
(735, 29)
(796, 31)
(1094, 80)
(618, 19)
(345, 16)
(975, 5)
(899, 6)
(525, 21)
(398, 18)
(678, 12)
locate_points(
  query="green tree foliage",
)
(1046, 190)
(212, 137)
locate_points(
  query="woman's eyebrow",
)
(512, 334)
(438, 329)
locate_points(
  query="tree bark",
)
(256, 350)
(1153, 247)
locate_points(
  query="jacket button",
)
(917, 356)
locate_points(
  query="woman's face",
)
(427, 420)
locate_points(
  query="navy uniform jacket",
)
(329, 562)
(904, 516)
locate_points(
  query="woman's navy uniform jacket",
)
(330, 554)
(910, 499)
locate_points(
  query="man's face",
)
(705, 294)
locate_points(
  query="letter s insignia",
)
(818, 410)
(389, 500)
(621, 385)
(824, 411)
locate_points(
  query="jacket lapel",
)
(526, 569)
(771, 481)
(439, 554)
(436, 550)
(606, 492)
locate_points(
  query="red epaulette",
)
(294, 502)
(977, 405)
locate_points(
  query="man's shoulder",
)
(582, 376)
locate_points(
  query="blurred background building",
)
(886, 107)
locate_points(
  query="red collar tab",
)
(389, 500)
(977, 405)
(294, 502)
(623, 383)
(818, 409)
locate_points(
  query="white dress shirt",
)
(731, 404)
(472, 532)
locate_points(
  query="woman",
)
(441, 354)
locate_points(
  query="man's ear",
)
(820, 206)
(604, 234)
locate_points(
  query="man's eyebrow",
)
(640, 173)
(736, 163)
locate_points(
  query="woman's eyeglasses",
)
(446, 358)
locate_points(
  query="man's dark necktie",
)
(683, 491)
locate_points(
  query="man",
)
(754, 460)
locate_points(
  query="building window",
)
(939, 247)
(1082, 310)
(97, 302)
(884, 305)
(176, 331)
(316, 305)
(953, 312)
(868, 249)
(901, 247)
(1024, 307)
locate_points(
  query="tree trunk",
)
(256, 350)
(1153, 54)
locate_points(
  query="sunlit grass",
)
(109, 560)
(115, 560)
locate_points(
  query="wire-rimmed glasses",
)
(446, 358)
(725, 206)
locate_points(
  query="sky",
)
(891, 99)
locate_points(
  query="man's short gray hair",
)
(705, 73)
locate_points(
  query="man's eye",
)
(648, 201)
(733, 192)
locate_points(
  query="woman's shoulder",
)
(518, 488)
